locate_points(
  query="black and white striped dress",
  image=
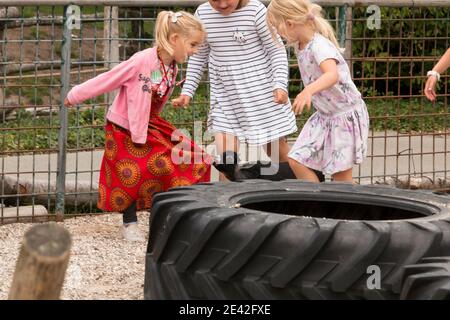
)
(245, 67)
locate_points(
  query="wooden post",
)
(348, 54)
(2, 104)
(42, 263)
(111, 44)
(344, 25)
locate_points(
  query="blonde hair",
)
(169, 22)
(301, 11)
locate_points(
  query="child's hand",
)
(430, 87)
(181, 101)
(67, 102)
(302, 99)
(280, 96)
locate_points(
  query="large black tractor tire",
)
(289, 240)
(427, 280)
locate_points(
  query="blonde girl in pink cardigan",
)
(138, 159)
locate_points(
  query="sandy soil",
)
(102, 265)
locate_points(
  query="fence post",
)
(348, 38)
(2, 72)
(341, 25)
(2, 68)
(111, 44)
(42, 263)
(8, 14)
(345, 30)
(62, 138)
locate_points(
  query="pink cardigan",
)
(131, 107)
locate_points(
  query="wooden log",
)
(415, 183)
(23, 214)
(25, 67)
(42, 263)
(47, 21)
(40, 192)
(9, 13)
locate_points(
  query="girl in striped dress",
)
(248, 75)
(145, 154)
(335, 137)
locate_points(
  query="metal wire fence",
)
(50, 155)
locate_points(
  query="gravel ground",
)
(102, 265)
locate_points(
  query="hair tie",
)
(175, 16)
(310, 16)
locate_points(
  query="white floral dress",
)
(335, 137)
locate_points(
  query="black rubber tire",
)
(206, 243)
(427, 280)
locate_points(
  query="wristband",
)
(434, 74)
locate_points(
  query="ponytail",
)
(323, 26)
(162, 31)
(302, 11)
(169, 22)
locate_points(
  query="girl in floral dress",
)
(335, 137)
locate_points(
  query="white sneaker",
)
(131, 232)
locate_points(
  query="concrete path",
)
(389, 154)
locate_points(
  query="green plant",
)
(85, 130)
(385, 53)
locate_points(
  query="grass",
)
(33, 90)
(34, 33)
(85, 131)
(86, 125)
(408, 116)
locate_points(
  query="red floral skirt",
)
(131, 172)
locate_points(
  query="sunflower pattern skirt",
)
(131, 172)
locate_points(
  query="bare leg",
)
(343, 176)
(225, 142)
(222, 177)
(303, 172)
(283, 148)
